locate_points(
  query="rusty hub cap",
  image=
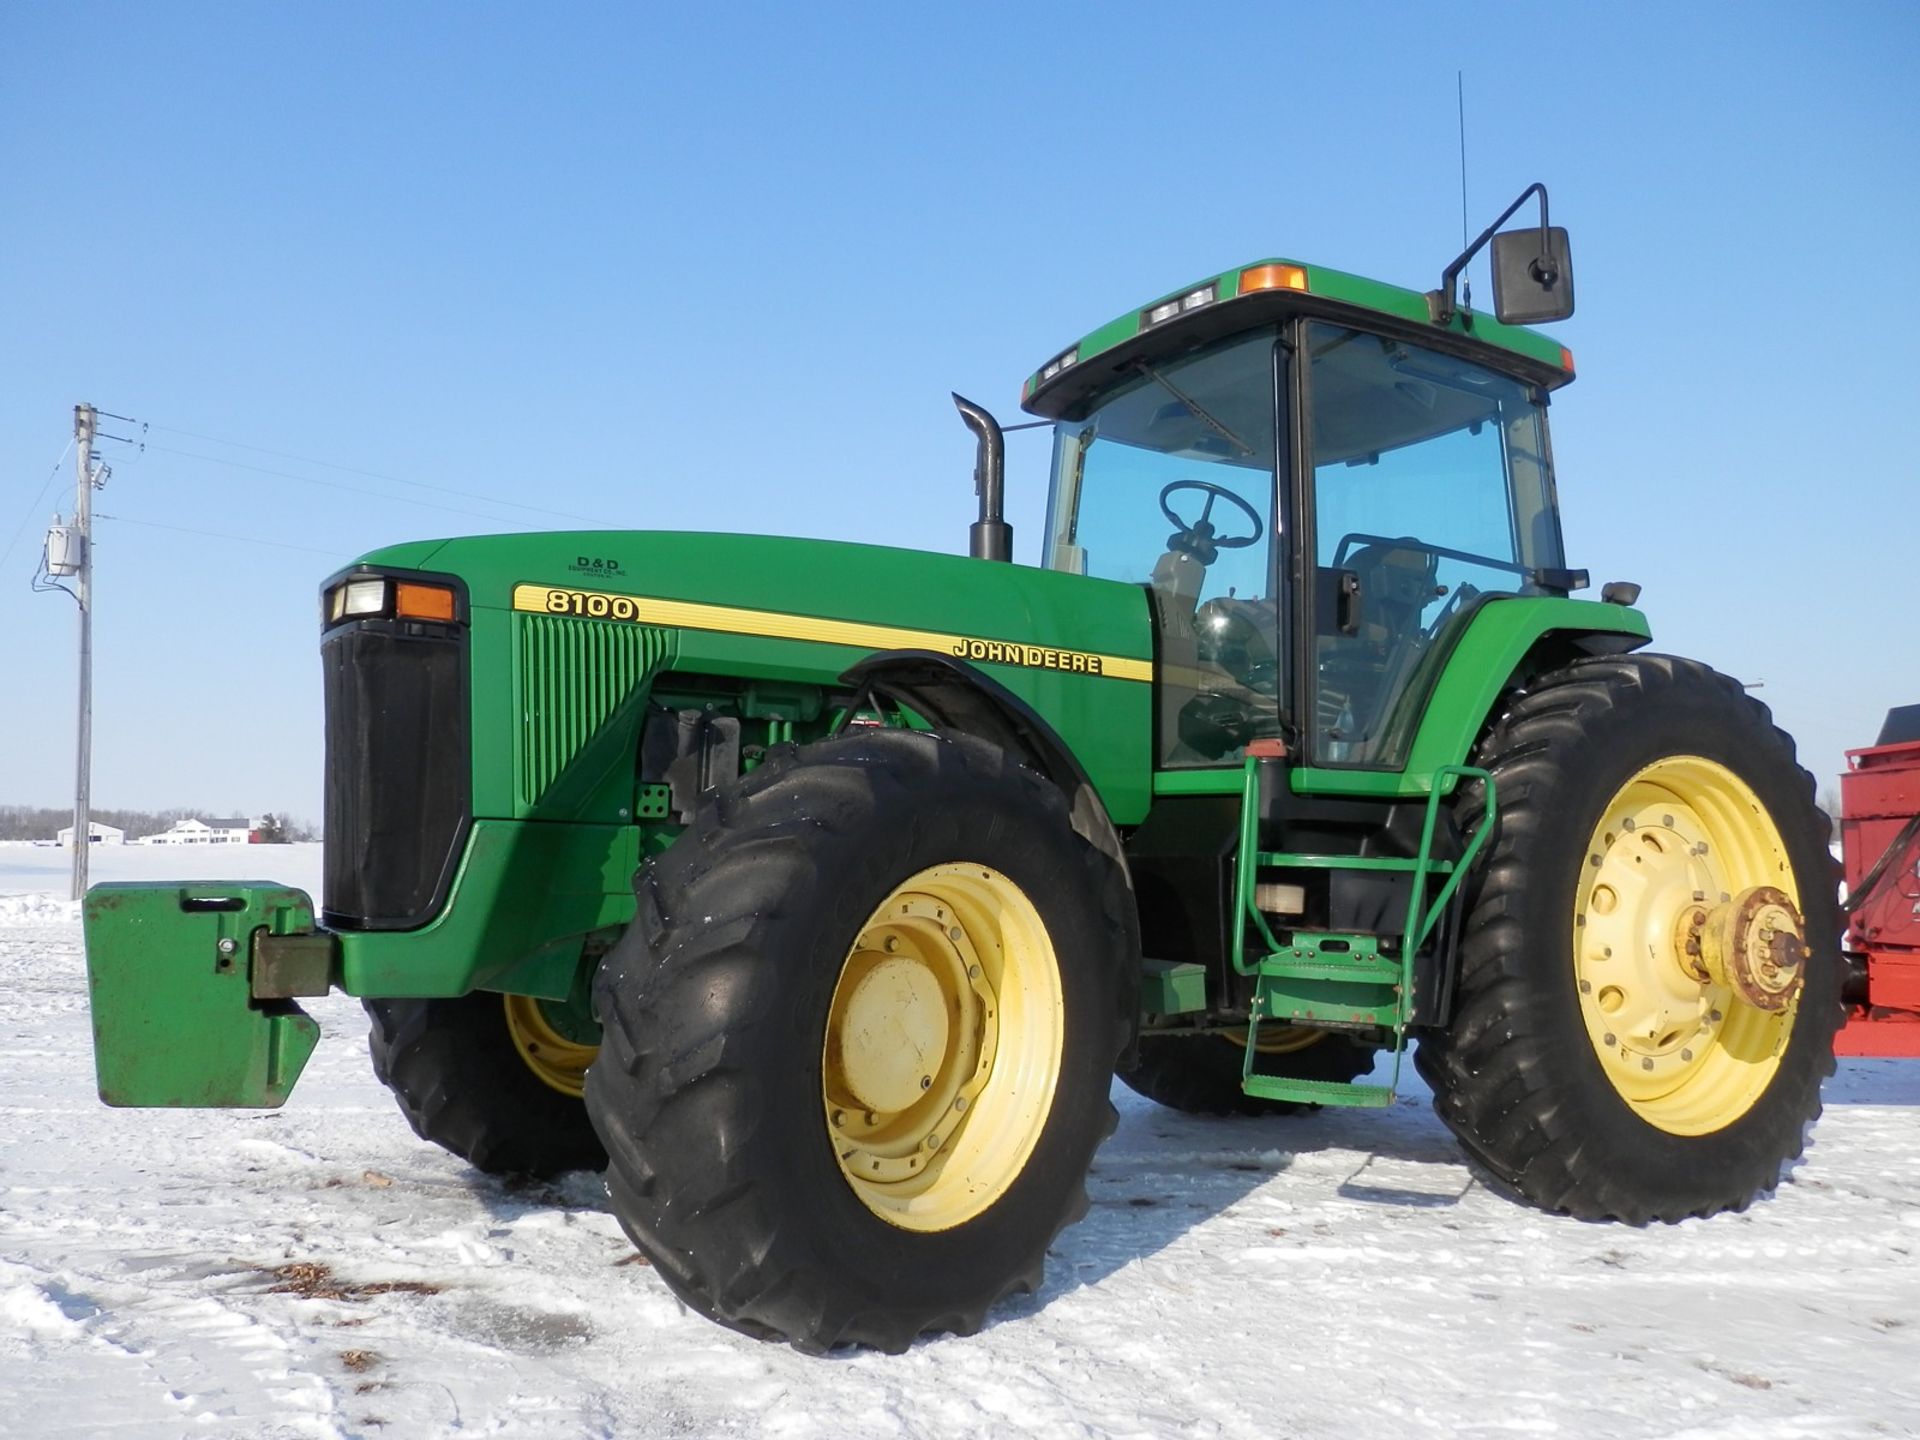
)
(1755, 945)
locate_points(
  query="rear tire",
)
(1201, 1074)
(461, 1082)
(1587, 1065)
(816, 926)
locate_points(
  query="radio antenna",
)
(1460, 97)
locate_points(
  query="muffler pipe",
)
(990, 537)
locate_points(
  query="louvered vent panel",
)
(573, 675)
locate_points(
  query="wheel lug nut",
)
(926, 1082)
(960, 1102)
(839, 1118)
(933, 1142)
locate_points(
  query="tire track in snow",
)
(156, 1357)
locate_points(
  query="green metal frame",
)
(1327, 284)
(1342, 978)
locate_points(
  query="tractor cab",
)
(1319, 486)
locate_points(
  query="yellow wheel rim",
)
(1685, 904)
(1277, 1039)
(553, 1058)
(943, 1047)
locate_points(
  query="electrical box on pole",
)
(66, 550)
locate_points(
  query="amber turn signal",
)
(1272, 277)
(412, 601)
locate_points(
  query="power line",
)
(27, 520)
(370, 474)
(350, 489)
(217, 535)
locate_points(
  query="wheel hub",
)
(1755, 945)
(893, 1030)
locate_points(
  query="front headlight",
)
(376, 596)
(362, 597)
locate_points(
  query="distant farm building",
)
(203, 832)
(96, 832)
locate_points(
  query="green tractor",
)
(817, 891)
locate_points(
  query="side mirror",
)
(1532, 271)
(1532, 276)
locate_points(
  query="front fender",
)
(1495, 647)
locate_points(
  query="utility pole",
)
(84, 420)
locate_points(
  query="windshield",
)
(1207, 417)
(1169, 484)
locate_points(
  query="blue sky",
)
(686, 267)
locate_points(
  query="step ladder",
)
(1327, 978)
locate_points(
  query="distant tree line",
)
(280, 828)
(40, 822)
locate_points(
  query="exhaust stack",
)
(989, 537)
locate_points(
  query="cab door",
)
(1429, 491)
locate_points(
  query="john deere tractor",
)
(817, 891)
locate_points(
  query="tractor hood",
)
(846, 598)
(568, 628)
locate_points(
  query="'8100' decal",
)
(783, 625)
(589, 604)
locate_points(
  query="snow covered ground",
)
(318, 1271)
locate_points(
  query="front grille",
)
(574, 674)
(398, 771)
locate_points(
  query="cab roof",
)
(1261, 292)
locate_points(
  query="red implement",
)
(1880, 842)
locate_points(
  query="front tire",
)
(1649, 971)
(462, 1075)
(858, 1040)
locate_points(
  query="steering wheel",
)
(1198, 539)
